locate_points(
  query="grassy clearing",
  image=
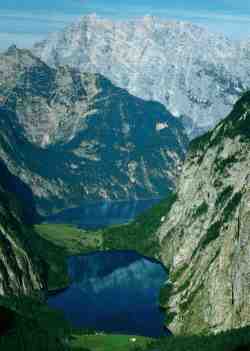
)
(58, 241)
(72, 240)
(108, 342)
(55, 242)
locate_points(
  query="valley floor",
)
(55, 243)
(61, 240)
(49, 328)
(104, 342)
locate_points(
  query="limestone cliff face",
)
(196, 74)
(205, 240)
(19, 267)
(74, 136)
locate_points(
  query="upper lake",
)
(94, 215)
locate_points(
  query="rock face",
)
(19, 268)
(205, 239)
(74, 136)
(197, 75)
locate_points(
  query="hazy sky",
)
(25, 21)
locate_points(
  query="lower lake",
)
(113, 292)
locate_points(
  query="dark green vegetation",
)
(54, 261)
(222, 164)
(213, 233)
(34, 327)
(235, 340)
(236, 124)
(202, 209)
(139, 234)
(224, 196)
(200, 144)
(165, 292)
(231, 206)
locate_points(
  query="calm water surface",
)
(94, 215)
(115, 292)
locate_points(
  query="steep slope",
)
(205, 240)
(197, 75)
(19, 267)
(74, 136)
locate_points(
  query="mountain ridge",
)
(158, 60)
(205, 237)
(78, 137)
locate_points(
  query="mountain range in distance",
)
(196, 74)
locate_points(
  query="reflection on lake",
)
(115, 292)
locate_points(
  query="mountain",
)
(25, 320)
(20, 269)
(74, 136)
(205, 238)
(196, 74)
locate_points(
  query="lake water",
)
(94, 215)
(114, 292)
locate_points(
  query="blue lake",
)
(94, 215)
(114, 292)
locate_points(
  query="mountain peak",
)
(157, 59)
(12, 50)
(149, 18)
(91, 17)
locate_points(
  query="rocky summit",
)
(196, 74)
(205, 239)
(73, 136)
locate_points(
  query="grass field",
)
(72, 240)
(108, 342)
(62, 240)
